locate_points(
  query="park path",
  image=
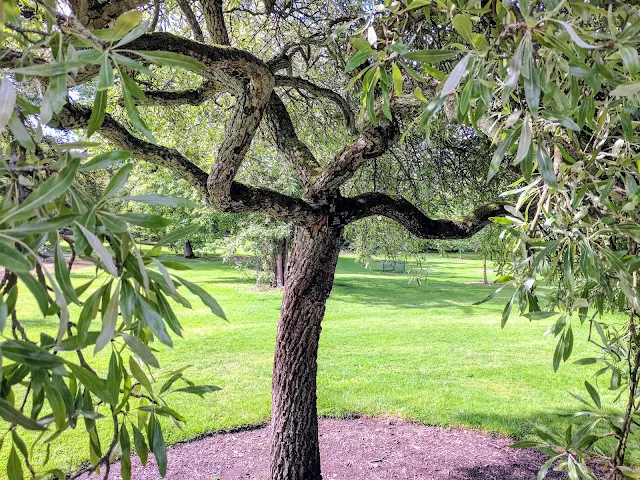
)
(357, 449)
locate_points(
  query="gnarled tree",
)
(256, 79)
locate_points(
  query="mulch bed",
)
(357, 449)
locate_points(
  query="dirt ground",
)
(47, 264)
(357, 449)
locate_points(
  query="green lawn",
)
(423, 353)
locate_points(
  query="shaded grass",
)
(424, 353)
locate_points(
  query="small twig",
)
(156, 15)
(105, 457)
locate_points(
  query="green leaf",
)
(397, 80)
(109, 321)
(499, 154)
(48, 191)
(141, 350)
(18, 442)
(629, 473)
(524, 144)
(131, 64)
(58, 92)
(91, 381)
(626, 89)
(153, 320)
(141, 445)
(125, 446)
(629, 58)
(146, 220)
(40, 226)
(430, 56)
(594, 394)
(97, 112)
(532, 88)
(455, 77)
(134, 114)
(163, 200)
(114, 375)
(132, 87)
(463, 26)
(139, 374)
(21, 133)
(16, 417)
(207, 299)
(360, 44)
(525, 444)
(174, 265)
(88, 313)
(358, 59)
(4, 313)
(127, 302)
(170, 59)
(133, 34)
(56, 402)
(105, 160)
(198, 389)
(14, 466)
(50, 69)
(574, 36)
(118, 181)
(178, 234)
(125, 23)
(13, 260)
(515, 68)
(490, 296)
(159, 448)
(62, 274)
(100, 250)
(31, 355)
(7, 101)
(545, 166)
(557, 356)
(480, 42)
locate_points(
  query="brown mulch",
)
(47, 263)
(357, 449)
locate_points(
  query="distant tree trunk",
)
(188, 250)
(295, 454)
(484, 269)
(281, 263)
(460, 253)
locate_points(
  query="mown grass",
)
(420, 352)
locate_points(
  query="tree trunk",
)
(281, 263)
(484, 269)
(295, 453)
(188, 250)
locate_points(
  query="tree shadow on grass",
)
(444, 294)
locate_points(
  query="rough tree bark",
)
(295, 452)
